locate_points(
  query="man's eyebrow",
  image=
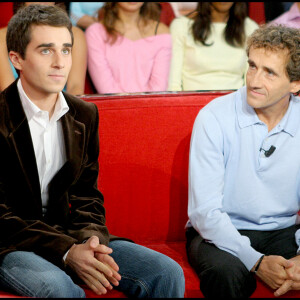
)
(250, 61)
(49, 45)
(68, 45)
(270, 70)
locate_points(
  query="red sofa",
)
(144, 150)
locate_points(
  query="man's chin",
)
(56, 88)
(253, 102)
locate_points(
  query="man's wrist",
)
(257, 265)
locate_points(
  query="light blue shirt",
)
(232, 184)
(79, 9)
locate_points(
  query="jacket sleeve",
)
(87, 214)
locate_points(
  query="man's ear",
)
(295, 87)
(16, 59)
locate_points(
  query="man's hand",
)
(273, 270)
(92, 263)
(294, 282)
(111, 264)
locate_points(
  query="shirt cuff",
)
(65, 256)
(249, 257)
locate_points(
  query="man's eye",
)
(45, 51)
(66, 51)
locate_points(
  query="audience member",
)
(84, 14)
(291, 18)
(129, 49)
(244, 176)
(76, 79)
(53, 236)
(183, 8)
(209, 47)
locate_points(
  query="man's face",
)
(47, 62)
(268, 85)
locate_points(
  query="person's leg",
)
(277, 242)
(222, 275)
(27, 274)
(147, 273)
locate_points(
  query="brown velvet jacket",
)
(75, 211)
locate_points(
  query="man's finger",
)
(287, 264)
(114, 280)
(92, 242)
(286, 286)
(98, 280)
(101, 278)
(100, 248)
(93, 284)
(108, 260)
(102, 268)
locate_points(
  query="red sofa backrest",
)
(144, 150)
(6, 12)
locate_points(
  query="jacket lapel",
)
(21, 143)
(74, 137)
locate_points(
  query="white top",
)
(47, 137)
(198, 67)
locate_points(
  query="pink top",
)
(128, 66)
(291, 18)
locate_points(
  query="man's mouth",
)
(255, 92)
(57, 76)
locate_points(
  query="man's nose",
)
(58, 61)
(256, 79)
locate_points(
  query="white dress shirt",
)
(47, 138)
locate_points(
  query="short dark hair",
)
(19, 27)
(279, 37)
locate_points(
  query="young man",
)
(52, 219)
(244, 176)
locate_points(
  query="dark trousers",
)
(223, 274)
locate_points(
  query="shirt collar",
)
(30, 109)
(247, 116)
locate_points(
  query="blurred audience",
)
(76, 79)
(291, 18)
(129, 49)
(167, 14)
(84, 14)
(273, 9)
(209, 47)
(6, 13)
(183, 8)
